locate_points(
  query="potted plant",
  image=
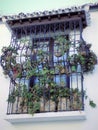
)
(61, 46)
(88, 61)
(61, 69)
(73, 62)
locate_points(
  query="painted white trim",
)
(49, 116)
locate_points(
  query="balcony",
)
(21, 100)
(44, 104)
(46, 72)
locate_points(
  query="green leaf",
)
(92, 104)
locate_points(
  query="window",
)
(41, 62)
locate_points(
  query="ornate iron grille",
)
(43, 73)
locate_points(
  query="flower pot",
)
(83, 53)
(58, 54)
(73, 68)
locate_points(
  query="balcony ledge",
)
(43, 117)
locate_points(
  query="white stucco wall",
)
(90, 34)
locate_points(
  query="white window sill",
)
(49, 116)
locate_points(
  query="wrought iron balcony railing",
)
(46, 99)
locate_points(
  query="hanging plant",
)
(86, 57)
(61, 69)
(8, 58)
(83, 48)
(87, 61)
(73, 62)
(61, 46)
